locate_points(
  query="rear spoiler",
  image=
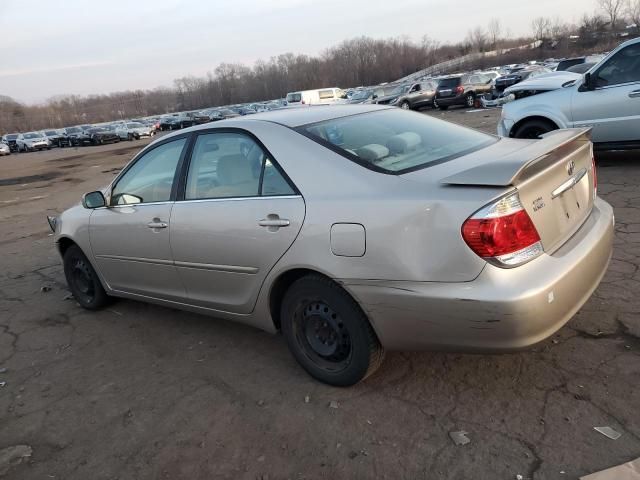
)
(514, 168)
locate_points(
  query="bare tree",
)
(540, 27)
(633, 11)
(612, 9)
(477, 38)
(558, 29)
(494, 31)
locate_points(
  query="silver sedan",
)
(351, 229)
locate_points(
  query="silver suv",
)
(606, 98)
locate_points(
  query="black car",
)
(460, 90)
(361, 96)
(75, 135)
(99, 136)
(516, 77)
(169, 123)
(10, 139)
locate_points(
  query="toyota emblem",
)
(571, 166)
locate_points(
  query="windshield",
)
(394, 141)
(31, 135)
(134, 125)
(361, 95)
(12, 136)
(96, 130)
(294, 97)
(73, 130)
(50, 133)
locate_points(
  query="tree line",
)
(355, 62)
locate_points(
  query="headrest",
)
(404, 142)
(373, 152)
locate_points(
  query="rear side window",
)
(394, 141)
(325, 94)
(449, 82)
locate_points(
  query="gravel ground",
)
(144, 392)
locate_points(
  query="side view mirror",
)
(374, 96)
(93, 200)
(589, 82)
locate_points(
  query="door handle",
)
(157, 224)
(634, 94)
(274, 222)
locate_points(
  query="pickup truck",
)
(606, 99)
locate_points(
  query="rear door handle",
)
(634, 94)
(157, 225)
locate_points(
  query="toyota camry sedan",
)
(352, 230)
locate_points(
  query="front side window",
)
(229, 164)
(394, 141)
(623, 67)
(294, 97)
(150, 179)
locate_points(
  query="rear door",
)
(613, 108)
(238, 215)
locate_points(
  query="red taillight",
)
(459, 89)
(503, 233)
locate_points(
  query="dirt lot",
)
(144, 392)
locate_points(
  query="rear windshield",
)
(449, 82)
(294, 97)
(395, 141)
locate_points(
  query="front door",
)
(130, 237)
(612, 109)
(239, 215)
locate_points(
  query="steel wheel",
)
(327, 332)
(323, 336)
(83, 280)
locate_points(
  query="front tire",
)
(532, 129)
(328, 333)
(83, 280)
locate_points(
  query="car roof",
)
(303, 115)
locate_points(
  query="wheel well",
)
(519, 123)
(63, 245)
(280, 287)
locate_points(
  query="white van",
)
(318, 96)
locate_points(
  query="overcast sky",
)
(52, 47)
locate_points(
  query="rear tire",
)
(328, 333)
(470, 100)
(83, 280)
(405, 105)
(532, 129)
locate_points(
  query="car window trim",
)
(140, 155)
(182, 181)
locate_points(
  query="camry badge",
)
(571, 166)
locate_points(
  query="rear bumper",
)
(448, 101)
(502, 309)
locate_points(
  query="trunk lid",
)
(554, 179)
